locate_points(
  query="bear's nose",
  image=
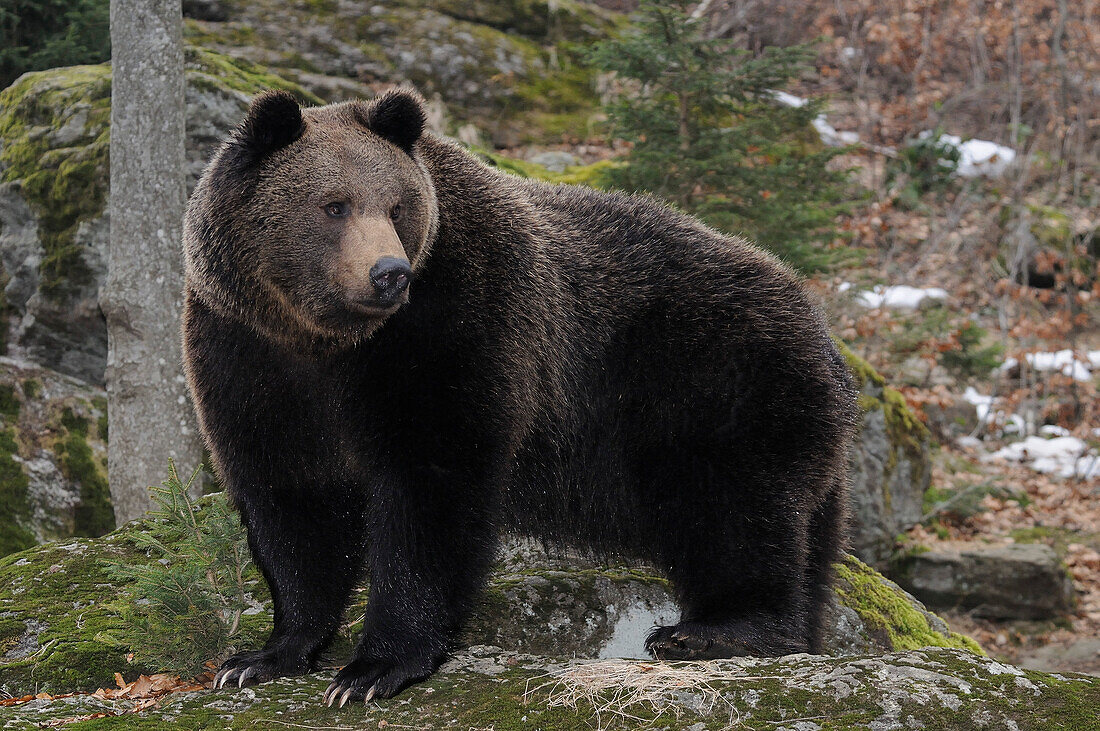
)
(390, 277)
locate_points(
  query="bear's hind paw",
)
(684, 642)
(714, 641)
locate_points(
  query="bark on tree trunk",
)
(150, 414)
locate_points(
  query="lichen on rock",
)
(53, 476)
(890, 466)
(486, 687)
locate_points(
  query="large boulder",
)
(53, 451)
(890, 466)
(510, 68)
(489, 688)
(54, 230)
(1014, 581)
(62, 625)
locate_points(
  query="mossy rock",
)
(592, 175)
(510, 67)
(485, 687)
(890, 465)
(57, 628)
(53, 448)
(60, 632)
(890, 616)
(54, 141)
(54, 186)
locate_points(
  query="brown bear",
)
(398, 352)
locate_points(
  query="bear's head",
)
(310, 224)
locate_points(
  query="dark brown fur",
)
(590, 369)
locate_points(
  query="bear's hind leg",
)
(828, 535)
(738, 562)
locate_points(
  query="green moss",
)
(14, 504)
(202, 33)
(9, 402)
(1051, 226)
(1057, 538)
(538, 19)
(63, 588)
(63, 181)
(210, 70)
(74, 422)
(94, 516)
(885, 608)
(863, 371)
(32, 388)
(10, 632)
(589, 175)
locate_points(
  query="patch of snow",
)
(1062, 361)
(1050, 430)
(1064, 456)
(977, 158)
(829, 135)
(900, 296)
(983, 407)
(789, 100)
(981, 402)
(632, 626)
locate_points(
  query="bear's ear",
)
(274, 121)
(397, 116)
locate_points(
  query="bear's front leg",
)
(431, 546)
(310, 550)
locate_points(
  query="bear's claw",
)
(249, 668)
(689, 641)
(372, 678)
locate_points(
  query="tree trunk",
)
(150, 415)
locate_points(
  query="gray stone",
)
(66, 331)
(1019, 581)
(556, 161)
(487, 687)
(890, 469)
(52, 497)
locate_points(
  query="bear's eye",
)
(336, 210)
(395, 212)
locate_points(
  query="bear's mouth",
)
(376, 308)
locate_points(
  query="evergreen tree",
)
(709, 135)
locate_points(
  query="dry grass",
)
(619, 690)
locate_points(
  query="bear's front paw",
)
(248, 668)
(365, 678)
